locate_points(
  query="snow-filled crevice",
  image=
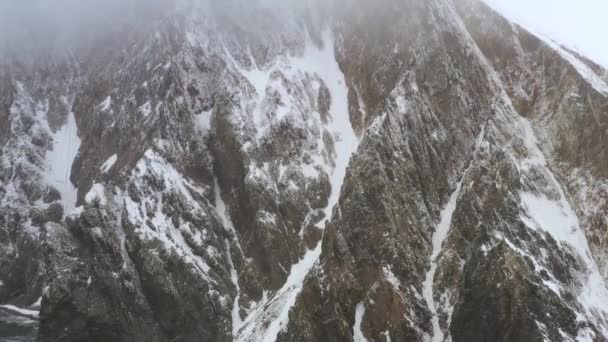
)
(271, 316)
(357, 332)
(224, 215)
(439, 236)
(59, 163)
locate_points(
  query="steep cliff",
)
(333, 171)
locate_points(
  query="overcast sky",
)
(579, 24)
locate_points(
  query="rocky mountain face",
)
(335, 171)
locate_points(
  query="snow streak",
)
(357, 332)
(108, 164)
(222, 211)
(441, 233)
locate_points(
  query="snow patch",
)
(38, 302)
(357, 333)
(105, 104)
(203, 121)
(145, 109)
(97, 193)
(108, 164)
(391, 278)
(59, 163)
(362, 107)
(401, 102)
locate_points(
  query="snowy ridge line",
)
(271, 315)
(441, 233)
(593, 297)
(493, 78)
(558, 218)
(594, 294)
(583, 70)
(551, 215)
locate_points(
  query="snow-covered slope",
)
(59, 161)
(272, 314)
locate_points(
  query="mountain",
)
(345, 170)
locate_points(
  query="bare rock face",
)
(345, 171)
(564, 96)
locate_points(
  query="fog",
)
(22, 18)
(578, 24)
(30, 24)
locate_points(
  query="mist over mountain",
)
(578, 25)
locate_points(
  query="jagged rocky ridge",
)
(346, 171)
